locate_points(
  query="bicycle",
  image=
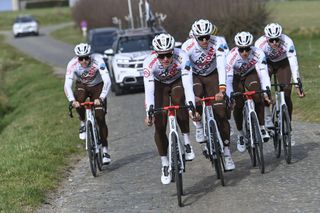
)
(93, 144)
(282, 123)
(214, 143)
(176, 152)
(254, 142)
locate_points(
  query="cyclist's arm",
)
(106, 82)
(262, 71)
(68, 82)
(148, 80)
(292, 57)
(187, 80)
(221, 66)
(229, 72)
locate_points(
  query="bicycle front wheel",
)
(276, 134)
(258, 144)
(176, 166)
(217, 156)
(286, 134)
(91, 150)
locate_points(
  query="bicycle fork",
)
(250, 109)
(91, 122)
(173, 127)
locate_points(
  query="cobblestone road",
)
(132, 182)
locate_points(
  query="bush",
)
(230, 16)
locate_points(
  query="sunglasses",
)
(84, 58)
(162, 56)
(201, 38)
(272, 40)
(242, 49)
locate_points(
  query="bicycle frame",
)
(90, 120)
(173, 130)
(248, 110)
(207, 118)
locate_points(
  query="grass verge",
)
(71, 35)
(36, 136)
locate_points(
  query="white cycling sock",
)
(104, 149)
(164, 161)
(82, 123)
(186, 138)
(198, 124)
(240, 132)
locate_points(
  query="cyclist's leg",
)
(95, 92)
(198, 91)
(211, 84)
(161, 99)
(178, 98)
(284, 77)
(252, 83)
(81, 95)
(160, 122)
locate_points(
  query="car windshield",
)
(103, 39)
(24, 19)
(135, 43)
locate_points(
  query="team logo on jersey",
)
(146, 72)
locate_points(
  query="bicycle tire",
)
(176, 167)
(286, 134)
(276, 135)
(99, 154)
(91, 150)
(218, 161)
(258, 144)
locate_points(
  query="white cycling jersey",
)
(286, 49)
(179, 68)
(236, 65)
(92, 75)
(205, 61)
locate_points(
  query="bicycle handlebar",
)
(299, 84)
(249, 94)
(85, 104)
(153, 111)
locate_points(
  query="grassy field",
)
(47, 16)
(34, 145)
(71, 35)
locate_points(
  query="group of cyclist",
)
(204, 66)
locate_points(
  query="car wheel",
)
(117, 89)
(36, 33)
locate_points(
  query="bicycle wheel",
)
(286, 134)
(276, 133)
(176, 167)
(218, 159)
(258, 144)
(91, 150)
(99, 154)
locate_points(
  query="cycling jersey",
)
(95, 73)
(179, 68)
(286, 49)
(236, 65)
(205, 61)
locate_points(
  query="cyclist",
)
(282, 61)
(208, 58)
(167, 72)
(92, 80)
(247, 69)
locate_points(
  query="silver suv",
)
(126, 58)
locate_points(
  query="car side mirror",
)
(108, 52)
(177, 44)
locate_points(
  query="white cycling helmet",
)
(163, 42)
(82, 49)
(202, 27)
(243, 39)
(273, 30)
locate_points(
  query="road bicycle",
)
(93, 144)
(214, 143)
(282, 123)
(253, 137)
(176, 151)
